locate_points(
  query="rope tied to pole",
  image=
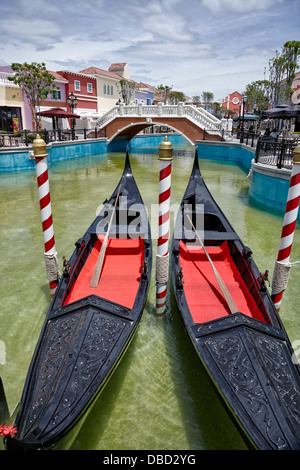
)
(281, 276)
(162, 268)
(52, 269)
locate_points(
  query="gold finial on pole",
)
(297, 154)
(165, 150)
(39, 147)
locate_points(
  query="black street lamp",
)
(72, 102)
(244, 100)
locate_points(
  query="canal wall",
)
(21, 158)
(234, 152)
(269, 186)
(144, 143)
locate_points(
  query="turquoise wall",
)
(270, 193)
(224, 151)
(146, 142)
(19, 160)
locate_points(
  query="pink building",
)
(231, 102)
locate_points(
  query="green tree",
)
(276, 76)
(127, 90)
(176, 96)
(283, 67)
(207, 97)
(258, 95)
(35, 81)
(196, 99)
(291, 52)
(165, 91)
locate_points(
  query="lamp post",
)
(244, 100)
(72, 102)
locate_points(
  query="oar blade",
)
(99, 265)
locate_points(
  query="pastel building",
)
(12, 107)
(55, 100)
(144, 93)
(231, 102)
(108, 91)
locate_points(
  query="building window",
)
(43, 95)
(111, 90)
(77, 85)
(56, 95)
(104, 89)
(90, 88)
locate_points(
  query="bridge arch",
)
(190, 121)
(132, 129)
(130, 126)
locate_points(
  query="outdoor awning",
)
(58, 113)
(246, 117)
(287, 112)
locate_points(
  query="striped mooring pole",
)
(162, 257)
(40, 155)
(282, 264)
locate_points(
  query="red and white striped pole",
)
(40, 155)
(282, 264)
(162, 256)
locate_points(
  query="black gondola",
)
(87, 329)
(244, 347)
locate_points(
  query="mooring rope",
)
(281, 276)
(52, 269)
(162, 268)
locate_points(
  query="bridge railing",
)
(198, 115)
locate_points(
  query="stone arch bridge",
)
(193, 123)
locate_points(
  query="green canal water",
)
(159, 398)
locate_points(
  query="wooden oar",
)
(230, 302)
(100, 260)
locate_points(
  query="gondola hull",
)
(87, 330)
(247, 353)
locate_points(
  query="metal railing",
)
(275, 153)
(198, 115)
(248, 138)
(50, 135)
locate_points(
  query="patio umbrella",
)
(287, 112)
(56, 113)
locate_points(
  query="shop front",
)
(11, 119)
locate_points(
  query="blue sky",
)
(193, 45)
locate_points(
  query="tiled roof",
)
(57, 76)
(117, 66)
(145, 85)
(96, 70)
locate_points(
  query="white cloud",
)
(35, 31)
(240, 6)
(194, 45)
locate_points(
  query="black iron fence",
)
(248, 137)
(275, 153)
(53, 135)
(245, 137)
